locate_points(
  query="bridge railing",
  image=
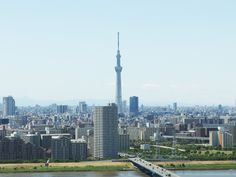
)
(155, 169)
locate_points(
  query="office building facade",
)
(79, 150)
(60, 148)
(233, 132)
(124, 143)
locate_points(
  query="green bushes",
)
(64, 168)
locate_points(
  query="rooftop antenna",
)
(118, 35)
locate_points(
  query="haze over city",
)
(183, 51)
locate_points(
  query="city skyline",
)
(170, 52)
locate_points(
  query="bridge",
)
(188, 138)
(151, 169)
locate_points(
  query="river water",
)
(79, 174)
(215, 173)
(227, 173)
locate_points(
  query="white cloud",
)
(151, 86)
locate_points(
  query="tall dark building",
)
(133, 105)
(83, 107)
(175, 107)
(233, 132)
(3, 131)
(61, 109)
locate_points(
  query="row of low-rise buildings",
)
(60, 146)
(14, 148)
(65, 149)
(32, 147)
(138, 133)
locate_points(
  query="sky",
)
(172, 51)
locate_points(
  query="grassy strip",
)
(202, 167)
(64, 169)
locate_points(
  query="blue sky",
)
(171, 50)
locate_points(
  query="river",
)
(207, 173)
(227, 173)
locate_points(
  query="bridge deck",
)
(153, 169)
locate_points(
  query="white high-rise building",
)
(214, 138)
(9, 108)
(105, 131)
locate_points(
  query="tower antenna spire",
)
(118, 70)
(118, 35)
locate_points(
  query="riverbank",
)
(203, 167)
(66, 167)
(113, 166)
(198, 165)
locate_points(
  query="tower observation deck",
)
(118, 70)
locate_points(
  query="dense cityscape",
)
(63, 132)
(88, 132)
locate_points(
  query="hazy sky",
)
(182, 51)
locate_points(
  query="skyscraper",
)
(118, 70)
(175, 106)
(232, 129)
(61, 109)
(133, 105)
(105, 131)
(9, 108)
(82, 107)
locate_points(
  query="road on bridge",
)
(151, 168)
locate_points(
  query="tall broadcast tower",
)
(118, 70)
